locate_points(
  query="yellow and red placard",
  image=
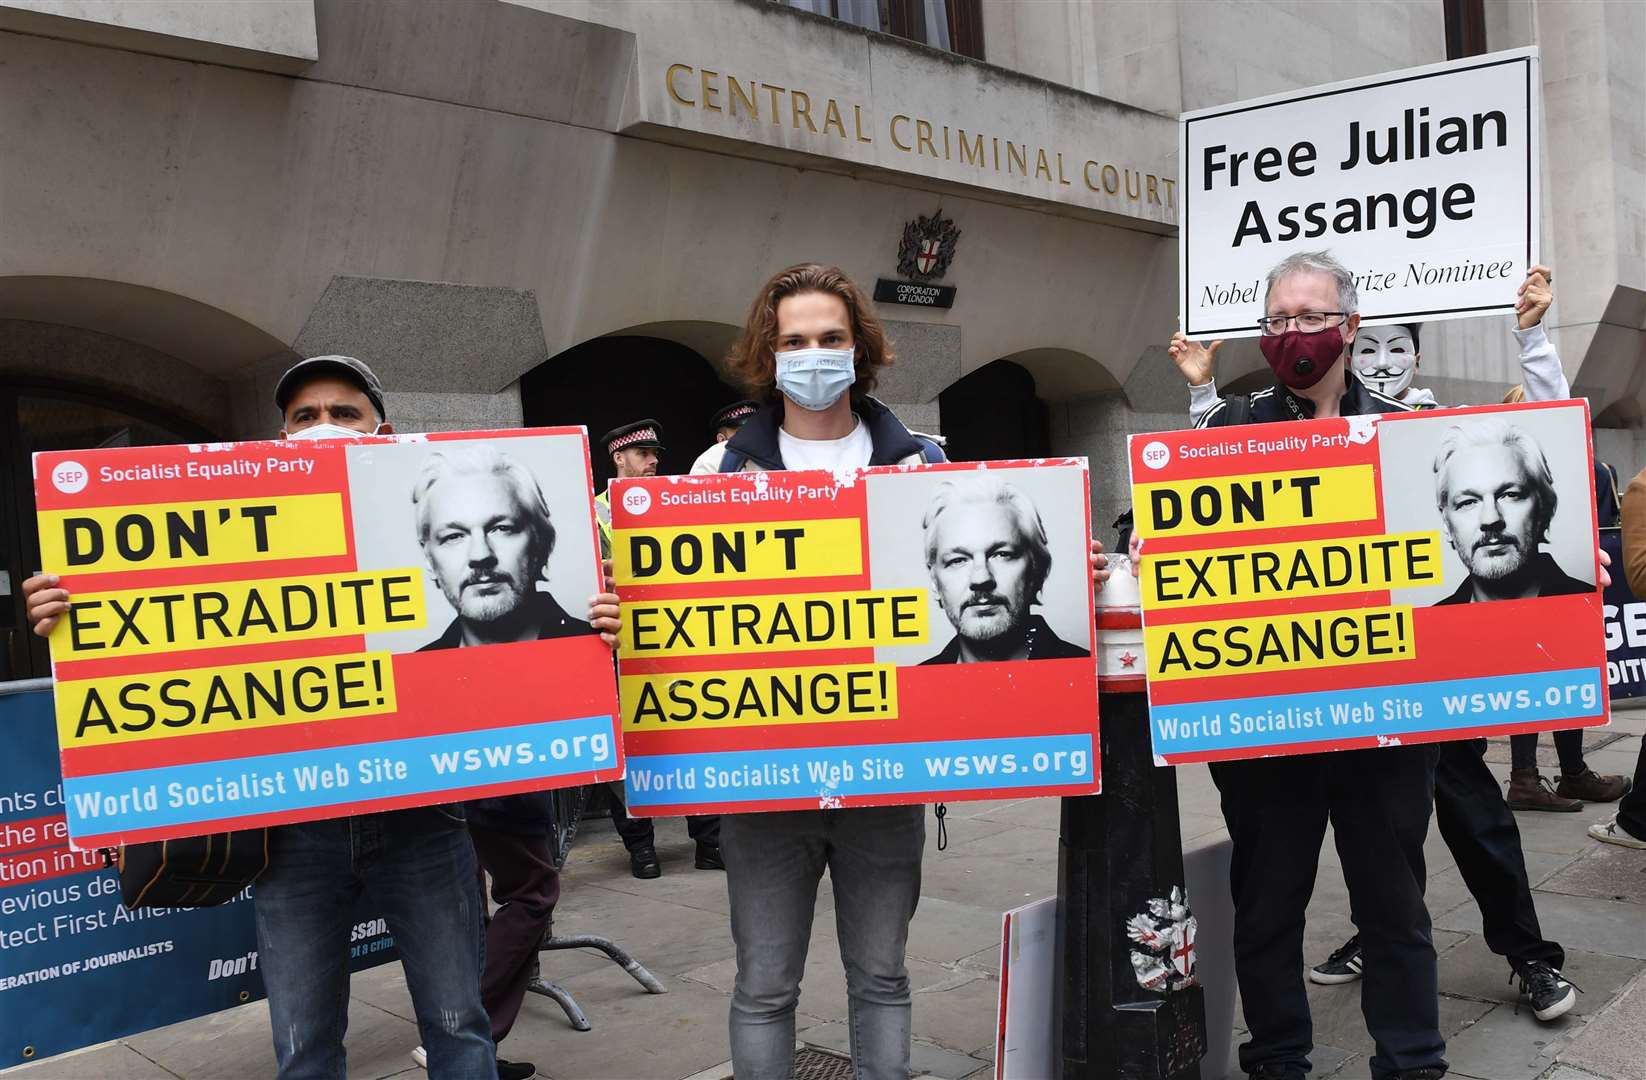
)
(269, 632)
(1368, 581)
(874, 637)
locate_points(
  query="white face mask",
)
(331, 431)
(1385, 358)
(816, 378)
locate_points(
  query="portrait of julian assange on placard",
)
(1002, 551)
(1510, 493)
(499, 531)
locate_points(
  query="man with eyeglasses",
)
(1378, 801)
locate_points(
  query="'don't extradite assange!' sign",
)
(887, 636)
(1366, 581)
(269, 632)
(1423, 182)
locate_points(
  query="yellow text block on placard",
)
(164, 704)
(738, 551)
(837, 620)
(686, 700)
(1315, 639)
(136, 622)
(152, 536)
(1308, 568)
(1219, 504)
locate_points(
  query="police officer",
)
(633, 449)
(725, 422)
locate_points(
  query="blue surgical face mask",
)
(816, 378)
(331, 431)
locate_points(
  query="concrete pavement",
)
(1591, 897)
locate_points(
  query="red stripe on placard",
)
(157, 665)
(943, 694)
(1571, 635)
(439, 692)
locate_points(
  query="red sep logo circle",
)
(1157, 454)
(637, 500)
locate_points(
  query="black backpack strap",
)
(1238, 410)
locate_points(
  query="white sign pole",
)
(1423, 182)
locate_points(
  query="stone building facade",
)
(557, 211)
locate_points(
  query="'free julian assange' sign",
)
(268, 632)
(1423, 182)
(887, 636)
(1366, 581)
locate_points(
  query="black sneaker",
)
(515, 1070)
(643, 863)
(1342, 966)
(1542, 984)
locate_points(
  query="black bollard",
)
(1122, 915)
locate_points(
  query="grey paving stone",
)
(1577, 922)
(113, 1061)
(1503, 1046)
(1614, 1043)
(1471, 970)
(944, 931)
(1338, 1021)
(1605, 872)
(1498, 750)
(926, 1057)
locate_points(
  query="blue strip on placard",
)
(827, 772)
(330, 776)
(1463, 704)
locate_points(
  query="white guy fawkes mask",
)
(1385, 358)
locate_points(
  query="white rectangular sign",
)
(1422, 182)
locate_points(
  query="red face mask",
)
(1300, 360)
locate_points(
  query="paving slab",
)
(1613, 1045)
(1603, 871)
(1338, 1021)
(944, 931)
(112, 1061)
(1471, 970)
(1577, 922)
(925, 1057)
(1504, 1046)
(1498, 749)
(1030, 813)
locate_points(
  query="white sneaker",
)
(420, 1056)
(1610, 832)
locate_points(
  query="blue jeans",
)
(773, 864)
(416, 868)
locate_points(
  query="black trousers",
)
(1631, 811)
(638, 833)
(1378, 802)
(525, 887)
(1480, 830)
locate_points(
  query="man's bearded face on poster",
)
(984, 567)
(481, 546)
(1496, 502)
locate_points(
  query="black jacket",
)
(1043, 645)
(1278, 403)
(551, 617)
(756, 440)
(1551, 581)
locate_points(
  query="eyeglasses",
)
(1309, 322)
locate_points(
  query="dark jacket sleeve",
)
(1634, 534)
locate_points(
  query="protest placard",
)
(71, 956)
(271, 632)
(1423, 182)
(873, 637)
(1368, 580)
(1625, 627)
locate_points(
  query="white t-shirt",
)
(851, 452)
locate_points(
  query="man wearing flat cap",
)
(633, 449)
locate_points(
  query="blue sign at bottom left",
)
(66, 941)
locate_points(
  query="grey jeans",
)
(773, 864)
